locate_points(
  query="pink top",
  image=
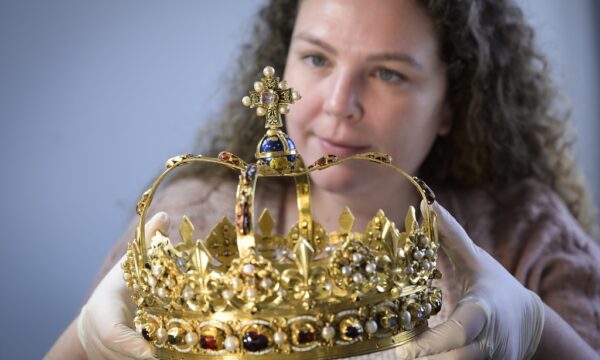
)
(527, 228)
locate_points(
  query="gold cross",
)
(271, 97)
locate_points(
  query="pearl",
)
(296, 96)
(357, 257)
(283, 85)
(126, 276)
(429, 253)
(283, 109)
(424, 241)
(409, 270)
(346, 270)
(231, 343)
(328, 286)
(246, 101)
(427, 307)
(191, 338)
(370, 268)
(227, 294)
(266, 283)
(161, 335)
(328, 332)
(279, 337)
(152, 281)
(261, 111)
(328, 249)
(426, 265)
(259, 86)
(136, 287)
(251, 293)
(371, 326)
(405, 317)
(357, 278)
(161, 292)
(188, 293)
(157, 270)
(169, 282)
(248, 269)
(418, 255)
(236, 283)
(268, 71)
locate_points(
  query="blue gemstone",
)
(291, 158)
(290, 143)
(353, 331)
(271, 145)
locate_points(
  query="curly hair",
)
(509, 121)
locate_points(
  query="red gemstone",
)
(209, 342)
(320, 161)
(306, 336)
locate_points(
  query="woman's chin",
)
(341, 179)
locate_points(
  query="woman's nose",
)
(342, 97)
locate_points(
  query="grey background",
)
(94, 96)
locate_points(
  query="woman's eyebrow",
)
(385, 56)
(396, 56)
(315, 41)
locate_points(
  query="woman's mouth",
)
(341, 150)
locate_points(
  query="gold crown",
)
(310, 294)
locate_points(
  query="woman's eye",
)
(389, 76)
(316, 60)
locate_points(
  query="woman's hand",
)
(105, 323)
(496, 317)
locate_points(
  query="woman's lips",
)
(340, 150)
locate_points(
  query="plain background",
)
(95, 96)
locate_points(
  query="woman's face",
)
(371, 80)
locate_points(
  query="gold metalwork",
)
(238, 293)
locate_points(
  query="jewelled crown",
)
(246, 292)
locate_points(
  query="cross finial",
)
(271, 98)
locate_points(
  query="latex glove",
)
(496, 317)
(105, 321)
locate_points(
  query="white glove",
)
(496, 317)
(105, 322)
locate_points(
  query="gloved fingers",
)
(462, 327)
(126, 342)
(472, 351)
(91, 342)
(159, 222)
(456, 243)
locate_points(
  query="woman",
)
(455, 92)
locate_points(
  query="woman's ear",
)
(446, 120)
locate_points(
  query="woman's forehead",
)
(366, 26)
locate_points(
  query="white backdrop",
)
(94, 96)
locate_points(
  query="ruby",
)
(209, 342)
(254, 341)
(306, 336)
